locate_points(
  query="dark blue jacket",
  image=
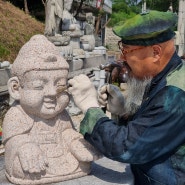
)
(153, 141)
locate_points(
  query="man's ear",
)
(157, 51)
(13, 88)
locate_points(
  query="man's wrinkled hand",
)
(83, 92)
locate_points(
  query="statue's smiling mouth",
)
(50, 104)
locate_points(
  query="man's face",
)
(41, 94)
(139, 60)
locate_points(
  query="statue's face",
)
(68, 4)
(90, 19)
(43, 94)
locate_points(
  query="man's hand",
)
(111, 97)
(83, 92)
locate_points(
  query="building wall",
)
(111, 40)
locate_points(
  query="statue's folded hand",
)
(32, 158)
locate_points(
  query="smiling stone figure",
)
(41, 145)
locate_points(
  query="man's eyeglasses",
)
(125, 51)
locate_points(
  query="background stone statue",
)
(89, 27)
(68, 32)
(69, 22)
(41, 145)
(88, 39)
(60, 24)
(54, 13)
(53, 16)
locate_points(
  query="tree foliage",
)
(124, 9)
(35, 8)
(162, 5)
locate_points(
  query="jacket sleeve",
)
(156, 131)
(91, 117)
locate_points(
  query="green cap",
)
(147, 28)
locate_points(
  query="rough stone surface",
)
(111, 40)
(41, 144)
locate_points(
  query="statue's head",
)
(39, 77)
(68, 4)
(90, 18)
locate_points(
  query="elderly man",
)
(153, 140)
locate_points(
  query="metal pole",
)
(181, 27)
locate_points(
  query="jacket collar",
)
(173, 63)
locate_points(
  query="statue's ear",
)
(13, 88)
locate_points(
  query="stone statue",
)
(60, 25)
(89, 27)
(88, 39)
(54, 14)
(71, 28)
(69, 23)
(41, 145)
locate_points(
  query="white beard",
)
(135, 89)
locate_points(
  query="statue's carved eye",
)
(37, 85)
(61, 88)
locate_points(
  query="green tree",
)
(162, 5)
(122, 10)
